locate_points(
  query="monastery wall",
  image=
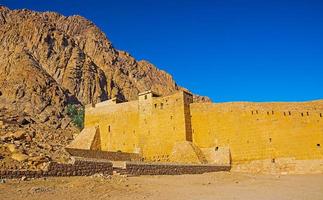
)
(260, 131)
(260, 136)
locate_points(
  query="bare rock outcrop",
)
(48, 60)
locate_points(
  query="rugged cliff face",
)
(48, 60)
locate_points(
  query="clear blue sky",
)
(229, 50)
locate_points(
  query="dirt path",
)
(224, 186)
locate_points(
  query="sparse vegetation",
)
(76, 113)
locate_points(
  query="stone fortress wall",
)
(256, 136)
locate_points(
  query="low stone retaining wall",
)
(80, 167)
(171, 169)
(88, 167)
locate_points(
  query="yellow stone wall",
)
(150, 126)
(256, 131)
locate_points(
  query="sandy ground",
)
(221, 185)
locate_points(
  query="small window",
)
(289, 113)
(302, 114)
(320, 114)
(252, 112)
(145, 96)
(307, 114)
(0, 93)
(272, 112)
(267, 113)
(155, 105)
(284, 113)
(256, 111)
(270, 140)
(216, 148)
(109, 128)
(171, 117)
(318, 145)
(273, 160)
(161, 106)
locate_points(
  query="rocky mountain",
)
(48, 60)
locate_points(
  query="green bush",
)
(76, 113)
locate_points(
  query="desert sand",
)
(220, 185)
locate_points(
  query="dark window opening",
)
(145, 96)
(267, 113)
(307, 114)
(155, 105)
(216, 148)
(273, 160)
(171, 117)
(318, 145)
(256, 111)
(0, 93)
(272, 112)
(161, 106)
(252, 112)
(270, 140)
(289, 113)
(284, 114)
(320, 114)
(109, 128)
(302, 114)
